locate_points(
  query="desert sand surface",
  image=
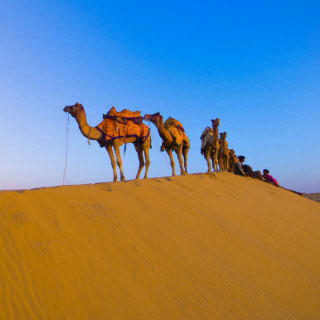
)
(215, 246)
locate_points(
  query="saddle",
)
(123, 116)
(173, 122)
(177, 132)
(205, 131)
(124, 124)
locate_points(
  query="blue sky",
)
(254, 65)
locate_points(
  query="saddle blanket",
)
(177, 131)
(124, 114)
(206, 137)
(124, 124)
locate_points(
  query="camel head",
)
(223, 135)
(154, 118)
(233, 156)
(216, 122)
(73, 109)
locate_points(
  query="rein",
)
(157, 143)
(89, 143)
(64, 179)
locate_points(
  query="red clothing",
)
(270, 178)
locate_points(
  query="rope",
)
(153, 137)
(89, 143)
(64, 179)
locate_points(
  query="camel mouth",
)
(66, 109)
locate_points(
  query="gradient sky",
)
(253, 64)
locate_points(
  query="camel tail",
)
(186, 142)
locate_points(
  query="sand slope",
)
(195, 247)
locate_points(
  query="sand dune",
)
(192, 247)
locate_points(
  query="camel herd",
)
(118, 128)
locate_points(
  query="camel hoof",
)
(123, 179)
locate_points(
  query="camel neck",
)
(215, 132)
(88, 131)
(163, 132)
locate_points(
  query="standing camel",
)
(179, 141)
(232, 161)
(210, 144)
(142, 143)
(224, 152)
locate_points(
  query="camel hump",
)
(176, 130)
(173, 122)
(125, 113)
(206, 131)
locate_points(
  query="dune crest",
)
(215, 246)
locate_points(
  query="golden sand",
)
(193, 247)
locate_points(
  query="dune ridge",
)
(313, 196)
(206, 246)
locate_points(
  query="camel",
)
(233, 159)
(210, 145)
(224, 152)
(141, 145)
(174, 138)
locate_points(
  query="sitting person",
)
(248, 170)
(238, 166)
(269, 178)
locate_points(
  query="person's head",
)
(265, 172)
(242, 158)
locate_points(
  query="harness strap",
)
(89, 143)
(104, 135)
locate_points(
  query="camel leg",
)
(119, 160)
(113, 161)
(207, 156)
(214, 161)
(169, 152)
(139, 150)
(179, 155)
(227, 162)
(185, 156)
(146, 150)
(221, 164)
(224, 163)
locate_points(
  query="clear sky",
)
(253, 64)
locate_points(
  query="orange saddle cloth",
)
(125, 113)
(114, 129)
